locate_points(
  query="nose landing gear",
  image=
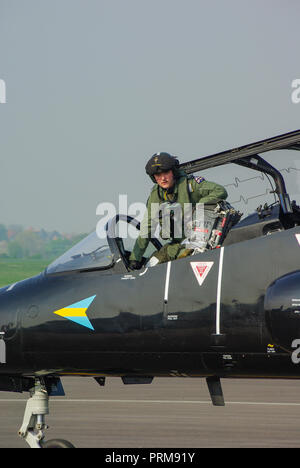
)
(33, 426)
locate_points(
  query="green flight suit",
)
(187, 189)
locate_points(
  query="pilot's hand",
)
(135, 265)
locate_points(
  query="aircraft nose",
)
(282, 306)
(9, 307)
(3, 289)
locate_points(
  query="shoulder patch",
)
(199, 179)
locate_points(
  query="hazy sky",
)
(95, 87)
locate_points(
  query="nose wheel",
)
(57, 443)
(33, 426)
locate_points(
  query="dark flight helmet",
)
(161, 162)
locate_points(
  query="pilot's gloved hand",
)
(135, 265)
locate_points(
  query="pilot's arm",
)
(143, 240)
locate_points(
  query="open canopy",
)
(248, 156)
(289, 140)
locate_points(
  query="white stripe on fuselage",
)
(219, 289)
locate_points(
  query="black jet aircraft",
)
(230, 312)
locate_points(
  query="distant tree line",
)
(16, 242)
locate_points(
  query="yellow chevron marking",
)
(71, 312)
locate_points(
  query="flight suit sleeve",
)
(147, 225)
(208, 192)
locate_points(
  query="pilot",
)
(172, 186)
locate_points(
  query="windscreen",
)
(91, 252)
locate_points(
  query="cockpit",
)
(104, 249)
(110, 249)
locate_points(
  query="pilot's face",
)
(166, 180)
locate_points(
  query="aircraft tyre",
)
(57, 443)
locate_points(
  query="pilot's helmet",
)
(161, 162)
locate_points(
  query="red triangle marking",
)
(201, 269)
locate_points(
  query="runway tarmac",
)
(169, 413)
